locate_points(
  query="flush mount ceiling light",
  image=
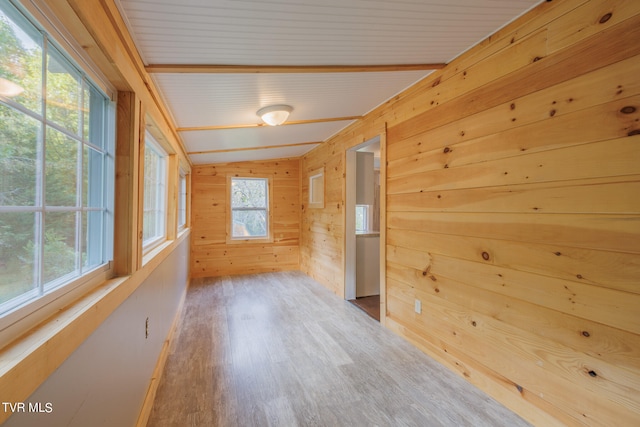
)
(275, 115)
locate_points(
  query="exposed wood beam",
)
(214, 68)
(258, 125)
(229, 150)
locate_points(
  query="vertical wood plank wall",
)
(513, 213)
(210, 254)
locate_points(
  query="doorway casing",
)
(350, 221)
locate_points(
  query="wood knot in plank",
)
(634, 132)
(629, 109)
(485, 256)
(586, 334)
(605, 17)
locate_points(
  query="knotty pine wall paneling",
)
(513, 214)
(210, 254)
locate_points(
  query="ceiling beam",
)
(213, 69)
(266, 147)
(258, 125)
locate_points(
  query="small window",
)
(155, 189)
(249, 208)
(316, 189)
(362, 218)
(182, 201)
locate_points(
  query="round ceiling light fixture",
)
(275, 115)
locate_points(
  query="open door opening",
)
(362, 227)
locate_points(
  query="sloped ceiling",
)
(215, 109)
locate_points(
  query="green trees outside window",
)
(249, 207)
(54, 158)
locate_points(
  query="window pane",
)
(316, 189)
(20, 59)
(61, 169)
(59, 245)
(93, 178)
(182, 202)
(94, 111)
(361, 217)
(252, 223)
(149, 220)
(154, 190)
(17, 252)
(63, 92)
(92, 243)
(18, 155)
(248, 193)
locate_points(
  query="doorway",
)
(364, 255)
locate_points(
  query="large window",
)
(55, 166)
(249, 208)
(155, 190)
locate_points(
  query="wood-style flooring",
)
(370, 305)
(278, 349)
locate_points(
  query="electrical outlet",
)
(418, 306)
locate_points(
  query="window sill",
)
(23, 318)
(182, 230)
(249, 240)
(155, 250)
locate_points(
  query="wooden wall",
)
(513, 213)
(210, 254)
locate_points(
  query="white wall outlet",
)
(418, 306)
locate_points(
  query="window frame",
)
(268, 238)
(316, 180)
(36, 304)
(161, 197)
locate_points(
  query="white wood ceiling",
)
(302, 33)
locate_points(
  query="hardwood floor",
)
(278, 349)
(370, 305)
